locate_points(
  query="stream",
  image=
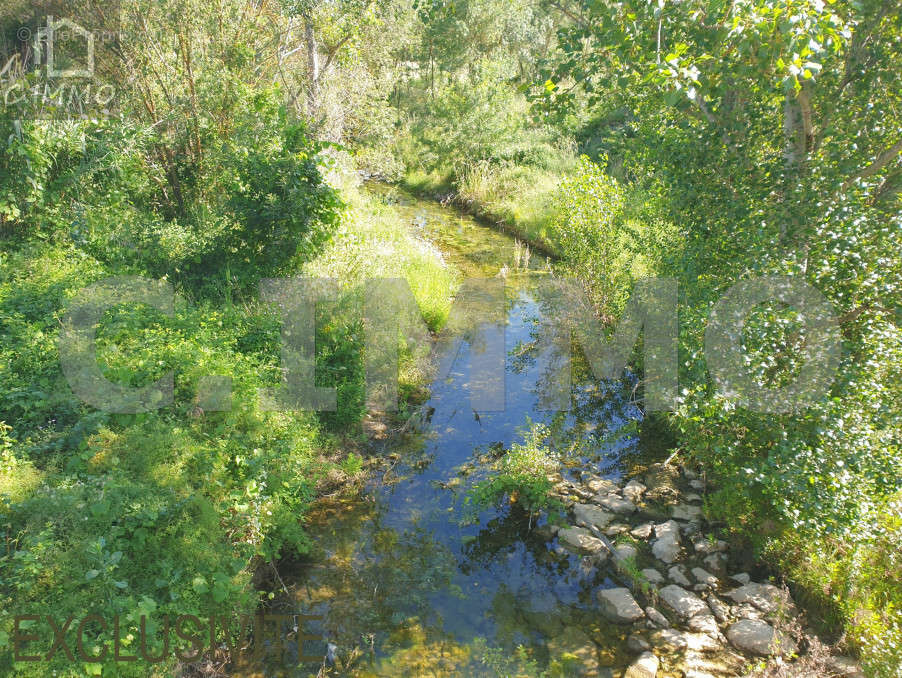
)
(408, 578)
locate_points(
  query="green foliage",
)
(745, 123)
(588, 230)
(520, 476)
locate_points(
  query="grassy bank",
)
(515, 197)
(171, 512)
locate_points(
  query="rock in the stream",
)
(634, 490)
(645, 666)
(616, 529)
(619, 606)
(581, 541)
(705, 546)
(705, 577)
(642, 531)
(704, 623)
(766, 597)
(602, 486)
(677, 575)
(682, 602)
(716, 562)
(586, 514)
(720, 609)
(669, 640)
(697, 485)
(625, 552)
(653, 576)
(759, 637)
(656, 618)
(667, 544)
(746, 611)
(687, 512)
(616, 504)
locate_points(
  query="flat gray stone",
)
(619, 606)
(681, 601)
(678, 575)
(720, 609)
(616, 529)
(758, 637)
(653, 576)
(643, 531)
(666, 546)
(705, 577)
(716, 562)
(687, 512)
(704, 623)
(742, 578)
(705, 546)
(656, 618)
(625, 552)
(645, 666)
(586, 514)
(766, 597)
(612, 502)
(581, 541)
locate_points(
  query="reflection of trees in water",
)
(598, 413)
(503, 535)
(374, 589)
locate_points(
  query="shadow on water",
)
(405, 585)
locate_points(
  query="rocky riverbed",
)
(686, 610)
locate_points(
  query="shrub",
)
(520, 476)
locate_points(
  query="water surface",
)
(408, 579)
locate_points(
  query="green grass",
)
(172, 511)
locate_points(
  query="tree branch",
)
(882, 160)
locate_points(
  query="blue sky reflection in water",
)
(403, 568)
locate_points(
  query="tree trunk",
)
(313, 69)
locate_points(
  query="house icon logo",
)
(45, 39)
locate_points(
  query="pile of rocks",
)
(695, 618)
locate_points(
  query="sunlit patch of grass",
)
(373, 242)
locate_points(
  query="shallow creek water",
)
(405, 584)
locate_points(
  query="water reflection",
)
(404, 585)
